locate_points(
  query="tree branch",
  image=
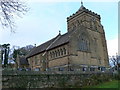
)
(9, 9)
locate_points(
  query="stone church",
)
(82, 48)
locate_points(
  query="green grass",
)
(110, 84)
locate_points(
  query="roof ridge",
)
(52, 44)
(48, 40)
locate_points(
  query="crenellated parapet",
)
(81, 10)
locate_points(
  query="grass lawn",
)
(110, 84)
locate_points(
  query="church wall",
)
(58, 62)
(83, 58)
(80, 58)
(36, 61)
(99, 52)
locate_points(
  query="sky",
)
(45, 18)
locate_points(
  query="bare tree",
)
(115, 61)
(9, 9)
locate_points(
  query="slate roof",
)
(55, 42)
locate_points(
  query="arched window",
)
(58, 52)
(84, 43)
(61, 52)
(50, 54)
(53, 54)
(64, 50)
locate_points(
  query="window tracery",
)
(84, 43)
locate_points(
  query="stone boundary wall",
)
(23, 79)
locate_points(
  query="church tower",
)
(92, 42)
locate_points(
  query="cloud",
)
(112, 46)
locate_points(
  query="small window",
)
(58, 53)
(55, 53)
(64, 50)
(50, 55)
(61, 51)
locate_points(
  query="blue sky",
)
(45, 19)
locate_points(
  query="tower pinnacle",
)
(81, 3)
(59, 32)
(82, 7)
